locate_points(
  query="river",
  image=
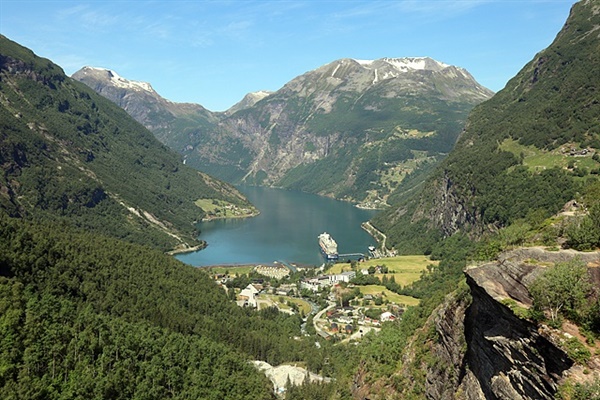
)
(285, 231)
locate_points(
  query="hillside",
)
(170, 122)
(88, 316)
(523, 154)
(360, 126)
(69, 154)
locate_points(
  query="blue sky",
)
(214, 52)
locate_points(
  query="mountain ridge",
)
(335, 120)
(527, 150)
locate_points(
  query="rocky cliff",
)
(484, 350)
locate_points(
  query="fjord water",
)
(285, 231)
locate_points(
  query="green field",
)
(223, 209)
(303, 305)
(538, 159)
(404, 269)
(387, 295)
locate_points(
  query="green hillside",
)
(88, 316)
(524, 153)
(69, 154)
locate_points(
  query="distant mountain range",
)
(351, 129)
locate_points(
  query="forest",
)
(89, 316)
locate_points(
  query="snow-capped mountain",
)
(144, 104)
(350, 129)
(104, 74)
(248, 101)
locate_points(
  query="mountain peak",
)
(114, 78)
(248, 101)
(405, 64)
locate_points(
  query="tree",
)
(562, 288)
(583, 234)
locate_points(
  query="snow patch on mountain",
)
(405, 64)
(118, 81)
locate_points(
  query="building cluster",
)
(351, 321)
(317, 283)
(276, 272)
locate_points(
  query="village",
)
(333, 299)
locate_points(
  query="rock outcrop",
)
(484, 350)
(507, 355)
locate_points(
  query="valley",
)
(488, 202)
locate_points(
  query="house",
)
(349, 329)
(247, 297)
(315, 284)
(334, 327)
(324, 335)
(387, 316)
(284, 290)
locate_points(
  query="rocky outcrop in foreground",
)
(485, 351)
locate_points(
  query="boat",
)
(328, 246)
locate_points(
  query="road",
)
(318, 316)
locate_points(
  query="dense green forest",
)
(68, 153)
(90, 316)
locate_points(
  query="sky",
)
(215, 52)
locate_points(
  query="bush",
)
(577, 351)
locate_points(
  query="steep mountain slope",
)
(523, 153)
(170, 122)
(68, 153)
(350, 129)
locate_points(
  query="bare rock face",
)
(506, 354)
(443, 380)
(484, 350)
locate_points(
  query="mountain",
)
(69, 154)
(248, 101)
(523, 154)
(351, 129)
(169, 121)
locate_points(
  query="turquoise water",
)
(285, 231)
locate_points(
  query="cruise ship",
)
(328, 246)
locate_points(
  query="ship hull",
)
(328, 246)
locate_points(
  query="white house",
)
(387, 316)
(248, 297)
(315, 284)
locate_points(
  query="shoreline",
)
(187, 249)
(214, 218)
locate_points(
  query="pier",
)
(357, 255)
